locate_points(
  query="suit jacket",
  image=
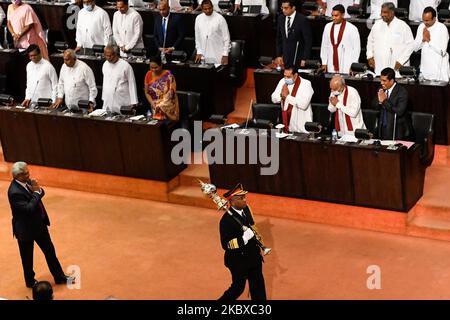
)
(27, 210)
(174, 32)
(397, 103)
(238, 254)
(300, 32)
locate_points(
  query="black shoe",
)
(31, 284)
(65, 279)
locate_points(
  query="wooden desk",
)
(123, 148)
(350, 174)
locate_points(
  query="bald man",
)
(346, 103)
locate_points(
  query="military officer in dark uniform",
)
(242, 253)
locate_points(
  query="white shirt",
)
(390, 43)
(77, 83)
(351, 109)
(42, 81)
(348, 50)
(119, 86)
(345, 3)
(212, 38)
(127, 30)
(262, 3)
(434, 62)
(375, 8)
(416, 8)
(93, 27)
(291, 21)
(301, 111)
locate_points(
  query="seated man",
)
(93, 26)
(76, 82)
(119, 84)
(294, 93)
(42, 80)
(393, 103)
(345, 101)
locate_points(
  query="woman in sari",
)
(160, 91)
(25, 27)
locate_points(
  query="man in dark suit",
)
(168, 30)
(29, 222)
(393, 103)
(294, 37)
(242, 254)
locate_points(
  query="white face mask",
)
(289, 81)
(335, 93)
(88, 7)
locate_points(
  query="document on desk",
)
(348, 138)
(98, 113)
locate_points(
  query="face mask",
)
(289, 81)
(335, 93)
(88, 7)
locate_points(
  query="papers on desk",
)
(136, 118)
(348, 138)
(281, 135)
(231, 126)
(388, 143)
(98, 113)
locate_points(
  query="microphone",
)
(295, 55)
(32, 96)
(111, 108)
(163, 55)
(395, 124)
(248, 114)
(85, 40)
(204, 52)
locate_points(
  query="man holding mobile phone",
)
(30, 221)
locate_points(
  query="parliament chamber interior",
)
(135, 214)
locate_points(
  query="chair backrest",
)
(189, 103)
(266, 111)
(322, 115)
(150, 45)
(371, 119)
(236, 59)
(423, 125)
(188, 46)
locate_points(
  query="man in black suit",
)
(294, 37)
(242, 254)
(393, 103)
(168, 30)
(29, 222)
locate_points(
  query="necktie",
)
(288, 25)
(384, 112)
(164, 27)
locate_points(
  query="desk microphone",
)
(248, 114)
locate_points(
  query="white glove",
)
(248, 234)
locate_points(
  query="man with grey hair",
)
(29, 223)
(345, 101)
(390, 41)
(119, 84)
(76, 82)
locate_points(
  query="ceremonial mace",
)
(211, 191)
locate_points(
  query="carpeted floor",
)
(138, 249)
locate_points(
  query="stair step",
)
(431, 222)
(190, 196)
(190, 176)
